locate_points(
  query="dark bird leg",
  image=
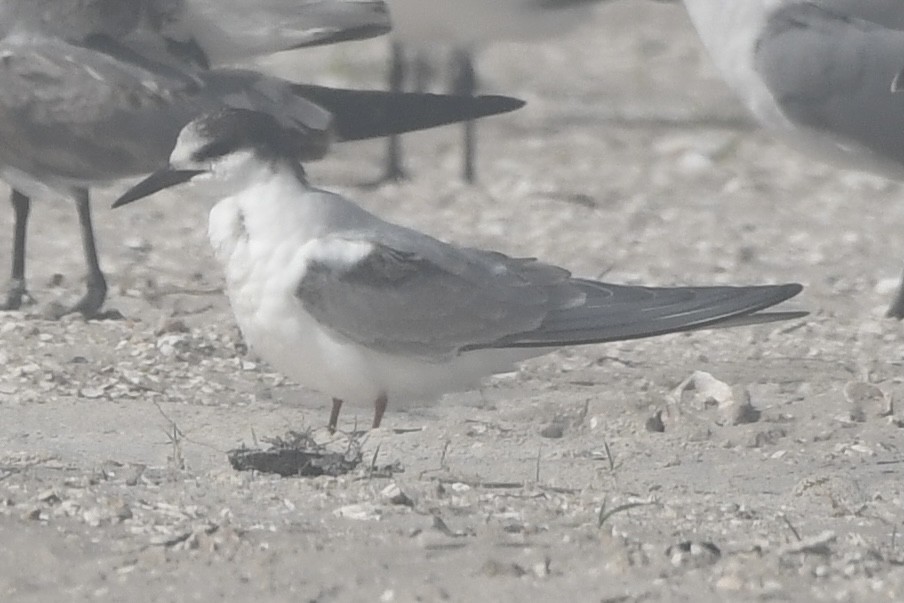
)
(16, 291)
(394, 170)
(379, 409)
(96, 293)
(465, 83)
(896, 310)
(334, 415)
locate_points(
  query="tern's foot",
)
(16, 295)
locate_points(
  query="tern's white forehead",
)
(190, 140)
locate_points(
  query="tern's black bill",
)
(156, 182)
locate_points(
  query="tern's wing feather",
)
(618, 312)
(833, 72)
(422, 297)
(362, 114)
(417, 296)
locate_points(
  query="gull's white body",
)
(265, 236)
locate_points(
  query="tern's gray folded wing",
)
(411, 294)
(833, 73)
(419, 297)
(619, 312)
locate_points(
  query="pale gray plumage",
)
(832, 72)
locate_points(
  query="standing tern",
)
(818, 73)
(73, 116)
(368, 311)
(466, 25)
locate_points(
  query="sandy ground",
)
(630, 159)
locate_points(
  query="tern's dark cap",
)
(229, 130)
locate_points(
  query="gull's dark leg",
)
(16, 290)
(423, 71)
(379, 409)
(394, 171)
(97, 285)
(334, 415)
(896, 310)
(465, 83)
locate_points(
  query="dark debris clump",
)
(296, 454)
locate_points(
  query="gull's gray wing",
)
(407, 293)
(75, 113)
(71, 20)
(833, 72)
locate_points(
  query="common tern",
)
(367, 311)
(74, 116)
(465, 25)
(818, 73)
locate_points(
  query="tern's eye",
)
(213, 150)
